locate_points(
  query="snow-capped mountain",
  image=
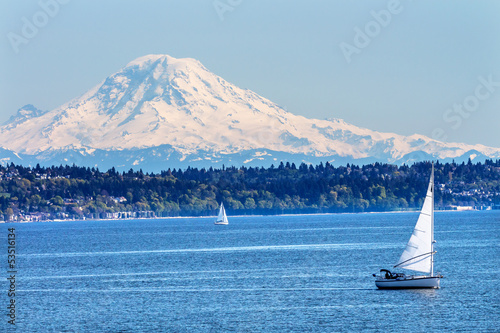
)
(159, 112)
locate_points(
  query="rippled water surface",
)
(264, 274)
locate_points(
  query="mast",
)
(432, 220)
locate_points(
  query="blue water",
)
(257, 274)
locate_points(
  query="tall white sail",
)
(222, 218)
(418, 254)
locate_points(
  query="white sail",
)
(418, 254)
(222, 218)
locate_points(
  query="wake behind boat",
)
(222, 217)
(419, 253)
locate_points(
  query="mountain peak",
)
(161, 101)
(149, 58)
(153, 60)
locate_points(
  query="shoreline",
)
(241, 216)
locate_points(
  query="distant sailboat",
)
(221, 218)
(419, 253)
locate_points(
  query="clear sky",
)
(427, 67)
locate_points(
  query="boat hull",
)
(225, 223)
(409, 283)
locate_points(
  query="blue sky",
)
(426, 67)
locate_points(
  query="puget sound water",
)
(307, 273)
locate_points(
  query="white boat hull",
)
(221, 223)
(409, 282)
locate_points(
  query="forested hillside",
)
(77, 192)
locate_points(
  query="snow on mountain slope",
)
(159, 100)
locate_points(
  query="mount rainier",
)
(159, 112)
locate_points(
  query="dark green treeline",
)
(78, 191)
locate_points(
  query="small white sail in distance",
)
(418, 254)
(222, 218)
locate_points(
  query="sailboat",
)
(221, 218)
(418, 254)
